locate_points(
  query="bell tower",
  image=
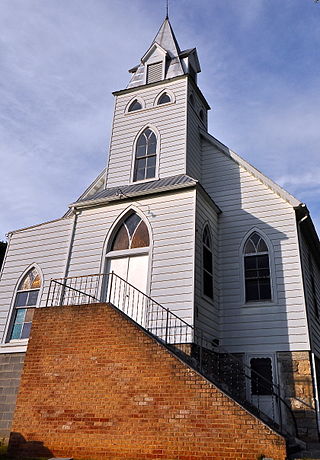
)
(157, 117)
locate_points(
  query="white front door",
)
(129, 297)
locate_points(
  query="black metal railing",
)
(194, 346)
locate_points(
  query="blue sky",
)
(60, 60)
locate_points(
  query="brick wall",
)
(10, 372)
(95, 386)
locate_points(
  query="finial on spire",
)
(167, 9)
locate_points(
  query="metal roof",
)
(141, 188)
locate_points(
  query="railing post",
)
(110, 283)
(200, 351)
(49, 292)
(167, 325)
(279, 408)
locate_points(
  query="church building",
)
(197, 247)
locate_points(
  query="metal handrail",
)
(175, 333)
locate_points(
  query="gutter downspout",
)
(72, 235)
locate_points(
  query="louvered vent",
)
(154, 72)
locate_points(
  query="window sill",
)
(144, 180)
(265, 303)
(14, 346)
(207, 299)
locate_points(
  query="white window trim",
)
(136, 98)
(156, 176)
(203, 295)
(170, 94)
(6, 342)
(257, 303)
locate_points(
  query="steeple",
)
(164, 59)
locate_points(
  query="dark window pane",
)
(141, 163)
(151, 161)
(147, 133)
(261, 376)
(255, 238)
(135, 106)
(140, 174)
(150, 172)
(16, 331)
(141, 151)
(207, 259)
(164, 99)
(142, 141)
(29, 315)
(249, 248)
(121, 240)
(250, 262)
(265, 289)
(152, 145)
(21, 299)
(32, 297)
(252, 290)
(207, 284)
(263, 261)
(206, 237)
(26, 330)
(132, 222)
(141, 237)
(262, 247)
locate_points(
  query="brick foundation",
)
(10, 372)
(95, 386)
(296, 379)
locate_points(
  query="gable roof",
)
(255, 172)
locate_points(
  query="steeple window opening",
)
(256, 269)
(201, 115)
(191, 99)
(145, 156)
(154, 72)
(164, 99)
(135, 105)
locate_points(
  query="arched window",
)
(256, 269)
(133, 233)
(201, 115)
(191, 99)
(164, 99)
(135, 105)
(207, 263)
(24, 305)
(145, 156)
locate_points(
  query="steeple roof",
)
(164, 52)
(166, 39)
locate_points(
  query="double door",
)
(126, 290)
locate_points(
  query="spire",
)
(166, 39)
(164, 59)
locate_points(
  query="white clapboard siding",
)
(168, 120)
(247, 203)
(172, 255)
(207, 311)
(310, 268)
(45, 245)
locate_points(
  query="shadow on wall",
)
(27, 449)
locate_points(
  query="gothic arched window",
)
(24, 305)
(133, 233)
(135, 105)
(256, 269)
(164, 99)
(145, 156)
(207, 263)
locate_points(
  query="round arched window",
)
(133, 233)
(25, 301)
